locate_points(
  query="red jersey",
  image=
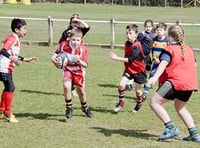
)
(137, 66)
(182, 73)
(12, 45)
(73, 71)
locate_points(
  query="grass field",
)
(39, 103)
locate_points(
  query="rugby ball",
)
(62, 60)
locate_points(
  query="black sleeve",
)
(5, 53)
(65, 35)
(85, 30)
(135, 55)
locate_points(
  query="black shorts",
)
(139, 78)
(7, 81)
(167, 91)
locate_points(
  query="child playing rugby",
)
(9, 58)
(178, 68)
(145, 38)
(75, 22)
(74, 71)
(134, 67)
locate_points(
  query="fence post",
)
(178, 22)
(50, 30)
(112, 29)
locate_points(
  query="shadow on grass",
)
(40, 92)
(41, 116)
(47, 116)
(133, 133)
(108, 85)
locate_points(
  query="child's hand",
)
(14, 59)
(18, 62)
(151, 81)
(113, 55)
(77, 58)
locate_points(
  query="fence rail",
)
(112, 23)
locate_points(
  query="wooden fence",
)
(112, 23)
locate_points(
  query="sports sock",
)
(8, 102)
(69, 103)
(121, 93)
(193, 131)
(84, 105)
(140, 98)
(3, 101)
(121, 102)
(169, 125)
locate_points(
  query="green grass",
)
(39, 102)
(39, 105)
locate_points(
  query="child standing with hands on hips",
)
(74, 71)
(9, 58)
(176, 60)
(134, 67)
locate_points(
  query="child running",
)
(176, 60)
(74, 71)
(75, 22)
(9, 58)
(134, 67)
(145, 37)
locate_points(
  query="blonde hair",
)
(76, 32)
(176, 32)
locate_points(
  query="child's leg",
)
(83, 101)
(68, 98)
(188, 121)
(139, 97)
(156, 103)
(121, 92)
(3, 102)
(8, 103)
(129, 85)
(73, 88)
(8, 96)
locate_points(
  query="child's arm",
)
(163, 64)
(28, 60)
(82, 63)
(5, 53)
(54, 61)
(114, 56)
(82, 23)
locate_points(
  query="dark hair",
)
(161, 25)
(17, 24)
(148, 21)
(74, 16)
(132, 27)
